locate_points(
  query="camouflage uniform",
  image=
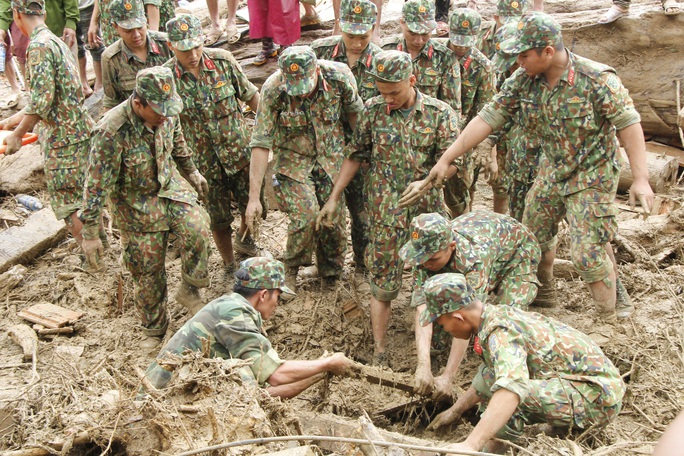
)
(401, 148)
(137, 168)
(119, 64)
(108, 26)
(356, 17)
(575, 123)
(229, 328)
(307, 139)
(213, 102)
(497, 255)
(509, 11)
(56, 96)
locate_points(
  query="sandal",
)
(10, 101)
(442, 29)
(308, 21)
(213, 36)
(233, 35)
(613, 14)
(671, 8)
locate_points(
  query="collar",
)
(340, 54)
(206, 64)
(152, 48)
(569, 75)
(427, 51)
(136, 122)
(417, 106)
(38, 29)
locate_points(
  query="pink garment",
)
(19, 44)
(277, 19)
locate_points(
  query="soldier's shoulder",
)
(170, 64)
(219, 54)
(590, 68)
(159, 37)
(273, 86)
(374, 102)
(322, 44)
(113, 120)
(112, 50)
(434, 103)
(439, 47)
(390, 43)
(480, 59)
(335, 71)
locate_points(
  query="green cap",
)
(128, 14)
(464, 26)
(156, 86)
(506, 9)
(298, 65)
(264, 274)
(185, 32)
(22, 6)
(357, 17)
(419, 16)
(445, 293)
(503, 62)
(392, 66)
(430, 233)
(535, 30)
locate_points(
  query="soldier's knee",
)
(591, 261)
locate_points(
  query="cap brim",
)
(286, 289)
(355, 28)
(463, 40)
(186, 45)
(169, 108)
(130, 24)
(427, 318)
(422, 27)
(513, 46)
(295, 87)
(411, 256)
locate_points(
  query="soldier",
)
(575, 106)
(534, 369)
(232, 324)
(400, 134)
(211, 84)
(55, 98)
(354, 48)
(497, 255)
(300, 118)
(507, 11)
(137, 48)
(132, 157)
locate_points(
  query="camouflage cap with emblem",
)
(512, 9)
(419, 16)
(445, 293)
(156, 86)
(299, 67)
(392, 66)
(464, 26)
(264, 274)
(430, 233)
(128, 14)
(185, 32)
(535, 30)
(357, 17)
(23, 6)
(503, 62)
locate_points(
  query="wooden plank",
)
(50, 315)
(383, 378)
(658, 148)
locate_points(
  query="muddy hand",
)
(199, 183)
(325, 216)
(442, 389)
(415, 192)
(339, 364)
(252, 214)
(93, 250)
(424, 382)
(13, 144)
(642, 191)
(444, 419)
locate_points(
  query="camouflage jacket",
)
(55, 92)
(486, 38)
(438, 74)
(136, 167)
(521, 346)
(120, 66)
(231, 329)
(489, 247)
(575, 121)
(401, 148)
(305, 131)
(215, 128)
(477, 84)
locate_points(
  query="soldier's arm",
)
(109, 76)
(152, 12)
(500, 409)
(41, 70)
(104, 163)
(245, 90)
(181, 153)
(300, 374)
(262, 141)
(356, 152)
(351, 101)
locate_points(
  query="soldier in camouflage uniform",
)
(400, 134)
(534, 369)
(230, 327)
(507, 11)
(212, 84)
(101, 20)
(574, 106)
(136, 154)
(497, 255)
(55, 98)
(354, 48)
(300, 117)
(137, 48)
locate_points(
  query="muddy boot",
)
(290, 282)
(246, 248)
(149, 343)
(361, 280)
(380, 360)
(229, 270)
(189, 297)
(329, 284)
(623, 303)
(546, 295)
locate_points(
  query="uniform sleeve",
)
(5, 14)
(244, 89)
(111, 98)
(361, 145)
(614, 103)
(485, 90)
(450, 90)
(156, 3)
(351, 101)
(181, 153)
(506, 355)
(419, 278)
(505, 103)
(266, 118)
(41, 70)
(72, 14)
(104, 164)
(447, 130)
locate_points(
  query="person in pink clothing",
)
(275, 22)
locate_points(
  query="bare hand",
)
(491, 171)
(642, 191)
(326, 215)
(199, 183)
(424, 382)
(252, 214)
(443, 388)
(338, 364)
(94, 39)
(415, 192)
(93, 250)
(462, 446)
(444, 419)
(13, 142)
(69, 36)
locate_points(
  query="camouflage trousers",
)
(383, 262)
(225, 191)
(357, 200)
(516, 290)
(555, 401)
(143, 254)
(302, 202)
(457, 189)
(502, 183)
(517, 192)
(65, 172)
(591, 217)
(522, 167)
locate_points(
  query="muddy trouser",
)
(457, 189)
(302, 202)
(143, 254)
(355, 195)
(225, 191)
(82, 35)
(555, 401)
(65, 174)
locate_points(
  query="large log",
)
(662, 172)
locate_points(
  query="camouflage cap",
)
(22, 6)
(430, 233)
(419, 16)
(392, 66)
(185, 32)
(156, 86)
(535, 30)
(299, 66)
(464, 26)
(357, 17)
(128, 14)
(263, 273)
(503, 62)
(506, 9)
(445, 293)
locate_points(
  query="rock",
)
(22, 172)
